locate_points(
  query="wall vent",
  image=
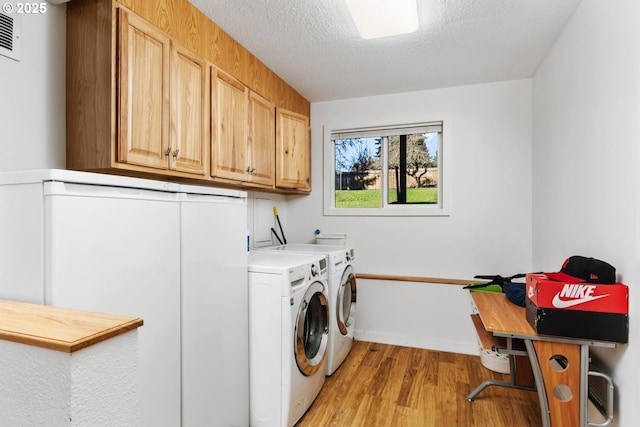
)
(10, 36)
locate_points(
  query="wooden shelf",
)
(487, 341)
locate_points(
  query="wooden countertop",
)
(60, 329)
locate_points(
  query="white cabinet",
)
(115, 250)
(137, 247)
(215, 312)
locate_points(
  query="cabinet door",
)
(293, 151)
(114, 251)
(143, 97)
(189, 110)
(229, 111)
(261, 140)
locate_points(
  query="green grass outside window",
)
(372, 198)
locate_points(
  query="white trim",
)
(427, 127)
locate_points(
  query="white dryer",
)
(342, 296)
(288, 335)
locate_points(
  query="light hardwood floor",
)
(382, 385)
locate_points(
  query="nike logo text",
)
(577, 294)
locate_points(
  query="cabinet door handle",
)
(176, 153)
(252, 171)
(166, 153)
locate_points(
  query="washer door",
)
(346, 301)
(312, 330)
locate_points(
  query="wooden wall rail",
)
(438, 280)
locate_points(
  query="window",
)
(393, 170)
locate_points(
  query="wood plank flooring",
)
(382, 385)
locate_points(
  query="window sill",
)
(391, 210)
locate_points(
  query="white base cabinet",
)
(146, 249)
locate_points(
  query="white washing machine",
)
(288, 335)
(342, 296)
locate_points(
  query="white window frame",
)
(442, 208)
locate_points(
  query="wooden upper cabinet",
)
(261, 140)
(163, 100)
(243, 132)
(189, 137)
(143, 109)
(229, 111)
(293, 151)
(146, 96)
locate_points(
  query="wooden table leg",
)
(560, 367)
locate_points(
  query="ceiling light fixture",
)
(383, 18)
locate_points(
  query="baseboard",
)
(418, 342)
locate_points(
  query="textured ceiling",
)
(314, 46)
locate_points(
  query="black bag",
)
(515, 292)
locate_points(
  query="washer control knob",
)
(314, 270)
(348, 256)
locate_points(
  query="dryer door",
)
(312, 330)
(346, 301)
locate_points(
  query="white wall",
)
(585, 185)
(421, 315)
(94, 386)
(261, 218)
(489, 228)
(586, 188)
(32, 95)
